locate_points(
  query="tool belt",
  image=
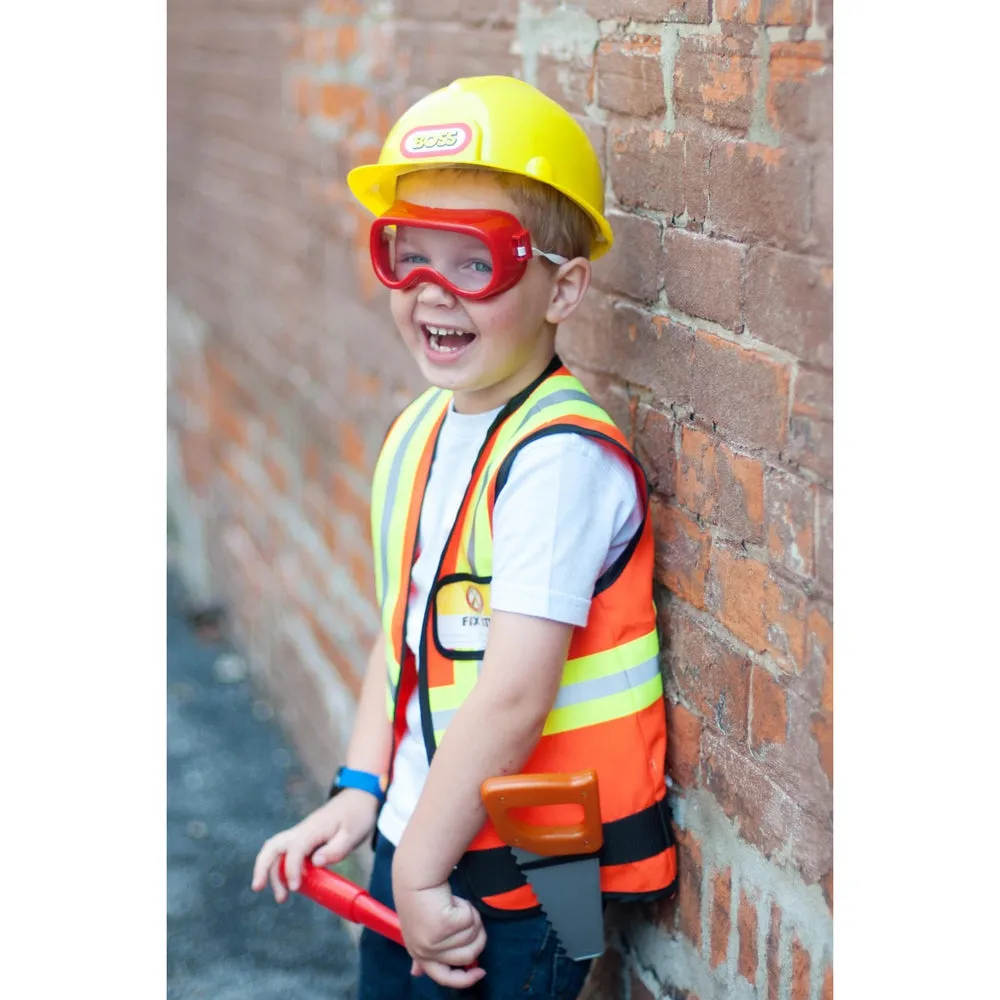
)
(633, 838)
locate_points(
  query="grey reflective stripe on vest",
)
(392, 487)
(601, 687)
(471, 553)
(573, 694)
(554, 399)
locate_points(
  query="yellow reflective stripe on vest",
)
(390, 511)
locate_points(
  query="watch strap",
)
(349, 777)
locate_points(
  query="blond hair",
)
(556, 223)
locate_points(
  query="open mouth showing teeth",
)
(446, 340)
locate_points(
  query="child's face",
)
(506, 340)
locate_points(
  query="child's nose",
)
(432, 294)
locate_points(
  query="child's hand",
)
(328, 834)
(442, 934)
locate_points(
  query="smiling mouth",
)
(445, 340)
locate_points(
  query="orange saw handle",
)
(515, 791)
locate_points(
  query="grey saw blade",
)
(570, 894)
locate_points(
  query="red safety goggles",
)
(474, 253)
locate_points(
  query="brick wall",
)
(708, 338)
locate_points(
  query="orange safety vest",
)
(609, 712)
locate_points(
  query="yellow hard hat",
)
(497, 122)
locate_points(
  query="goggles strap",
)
(556, 258)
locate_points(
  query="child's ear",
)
(568, 287)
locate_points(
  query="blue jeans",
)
(520, 957)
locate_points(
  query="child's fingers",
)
(463, 938)
(293, 866)
(266, 857)
(277, 886)
(445, 975)
(460, 957)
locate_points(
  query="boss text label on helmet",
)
(435, 140)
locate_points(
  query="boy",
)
(513, 560)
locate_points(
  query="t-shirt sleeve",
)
(569, 507)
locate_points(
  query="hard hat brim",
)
(374, 185)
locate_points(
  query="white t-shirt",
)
(548, 550)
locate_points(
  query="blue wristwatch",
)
(348, 777)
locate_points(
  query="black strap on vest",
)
(632, 838)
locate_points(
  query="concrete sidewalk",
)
(232, 781)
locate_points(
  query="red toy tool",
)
(346, 899)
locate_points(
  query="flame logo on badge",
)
(474, 599)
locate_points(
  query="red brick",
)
(741, 392)
(196, 460)
(712, 678)
(651, 168)
(789, 303)
(347, 501)
(276, 473)
(821, 229)
(703, 277)
(352, 446)
(746, 920)
(569, 82)
(715, 81)
(817, 685)
(760, 193)
(827, 993)
(336, 656)
(345, 42)
(790, 504)
(689, 878)
(768, 710)
(824, 538)
(635, 264)
(773, 955)
(810, 445)
(800, 91)
(800, 971)
(822, 730)
(630, 75)
(772, 12)
(766, 613)
(672, 11)
(344, 102)
(654, 445)
(227, 422)
(683, 745)
(824, 13)
(721, 920)
(721, 486)
(587, 338)
(651, 351)
(746, 793)
(492, 13)
(682, 552)
(813, 394)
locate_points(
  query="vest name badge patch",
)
(463, 616)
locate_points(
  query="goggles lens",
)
(464, 261)
(473, 252)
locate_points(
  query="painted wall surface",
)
(707, 337)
